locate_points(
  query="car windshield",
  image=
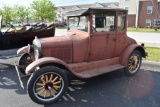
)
(78, 23)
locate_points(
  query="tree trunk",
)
(42, 19)
(6, 22)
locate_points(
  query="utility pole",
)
(137, 13)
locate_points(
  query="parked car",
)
(35, 23)
(16, 24)
(27, 24)
(96, 43)
(60, 24)
(17, 38)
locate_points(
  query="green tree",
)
(7, 13)
(0, 12)
(43, 10)
(20, 13)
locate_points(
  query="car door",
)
(121, 38)
(103, 35)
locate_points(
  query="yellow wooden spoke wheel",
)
(134, 63)
(47, 85)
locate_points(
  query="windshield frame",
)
(78, 23)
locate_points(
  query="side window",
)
(103, 21)
(121, 21)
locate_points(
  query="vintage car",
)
(96, 43)
(17, 38)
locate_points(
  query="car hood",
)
(58, 46)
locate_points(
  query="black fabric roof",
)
(77, 12)
(88, 11)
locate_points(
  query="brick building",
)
(61, 10)
(144, 11)
(148, 12)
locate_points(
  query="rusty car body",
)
(96, 43)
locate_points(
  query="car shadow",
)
(113, 89)
(9, 78)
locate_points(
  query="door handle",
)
(115, 39)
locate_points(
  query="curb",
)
(150, 65)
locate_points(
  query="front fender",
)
(126, 53)
(23, 50)
(46, 60)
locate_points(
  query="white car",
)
(16, 24)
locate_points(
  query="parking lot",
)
(112, 89)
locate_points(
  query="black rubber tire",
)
(43, 71)
(22, 58)
(126, 69)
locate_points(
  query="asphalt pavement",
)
(113, 89)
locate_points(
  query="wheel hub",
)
(133, 62)
(48, 86)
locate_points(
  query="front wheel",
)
(23, 62)
(134, 63)
(47, 85)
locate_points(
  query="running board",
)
(99, 71)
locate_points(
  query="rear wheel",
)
(24, 61)
(134, 63)
(47, 85)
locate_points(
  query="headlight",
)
(36, 54)
(37, 48)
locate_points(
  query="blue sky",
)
(56, 2)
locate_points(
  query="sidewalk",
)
(150, 65)
(149, 39)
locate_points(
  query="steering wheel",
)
(94, 29)
(10, 26)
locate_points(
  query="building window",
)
(148, 22)
(149, 9)
(127, 8)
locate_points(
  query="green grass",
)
(153, 54)
(17, 27)
(132, 29)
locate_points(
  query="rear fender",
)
(126, 53)
(48, 61)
